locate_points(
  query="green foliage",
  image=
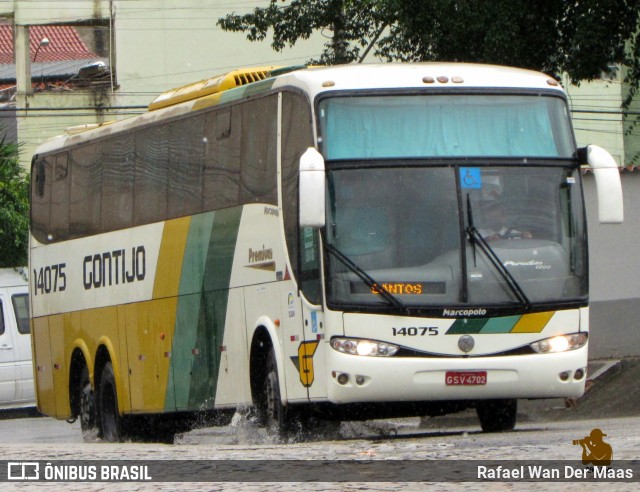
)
(353, 25)
(14, 207)
(580, 38)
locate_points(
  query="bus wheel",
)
(275, 418)
(497, 415)
(110, 420)
(87, 407)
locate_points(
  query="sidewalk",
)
(613, 390)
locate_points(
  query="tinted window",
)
(151, 173)
(117, 183)
(21, 308)
(186, 148)
(86, 190)
(209, 161)
(445, 126)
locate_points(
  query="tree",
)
(578, 37)
(355, 26)
(14, 207)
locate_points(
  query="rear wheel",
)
(111, 423)
(497, 415)
(87, 407)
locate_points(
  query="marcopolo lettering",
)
(114, 268)
(464, 312)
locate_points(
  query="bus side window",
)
(59, 222)
(86, 190)
(1, 319)
(40, 199)
(151, 160)
(186, 150)
(258, 169)
(310, 265)
(220, 180)
(117, 183)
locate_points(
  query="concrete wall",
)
(596, 115)
(614, 274)
(157, 45)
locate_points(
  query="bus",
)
(314, 243)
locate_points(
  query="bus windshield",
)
(468, 233)
(427, 238)
(451, 125)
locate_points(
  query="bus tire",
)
(87, 407)
(111, 423)
(276, 419)
(497, 415)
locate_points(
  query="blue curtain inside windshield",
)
(444, 126)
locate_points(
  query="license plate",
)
(471, 378)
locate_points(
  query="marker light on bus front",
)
(561, 343)
(358, 346)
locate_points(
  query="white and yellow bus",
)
(350, 242)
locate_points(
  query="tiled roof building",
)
(64, 44)
(54, 63)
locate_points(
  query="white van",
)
(16, 370)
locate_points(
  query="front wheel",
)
(111, 423)
(497, 415)
(277, 418)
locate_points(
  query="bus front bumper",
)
(355, 378)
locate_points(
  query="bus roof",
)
(314, 80)
(415, 75)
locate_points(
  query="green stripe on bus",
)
(466, 325)
(201, 311)
(500, 325)
(527, 323)
(184, 337)
(246, 90)
(213, 310)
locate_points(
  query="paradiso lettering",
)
(114, 268)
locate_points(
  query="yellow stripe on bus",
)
(206, 101)
(533, 323)
(149, 328)
(174, 241)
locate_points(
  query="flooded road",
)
(395, 441)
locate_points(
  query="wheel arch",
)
(80, 357)
(106, 353)
(264, 339)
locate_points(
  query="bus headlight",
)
(560, 343)
(359, 346)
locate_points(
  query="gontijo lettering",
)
(114, 268)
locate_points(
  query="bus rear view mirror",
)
(608, 184)
(312, 186)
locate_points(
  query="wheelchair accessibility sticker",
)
(470, 178)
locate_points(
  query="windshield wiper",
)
(476, 238)
(365, 277)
